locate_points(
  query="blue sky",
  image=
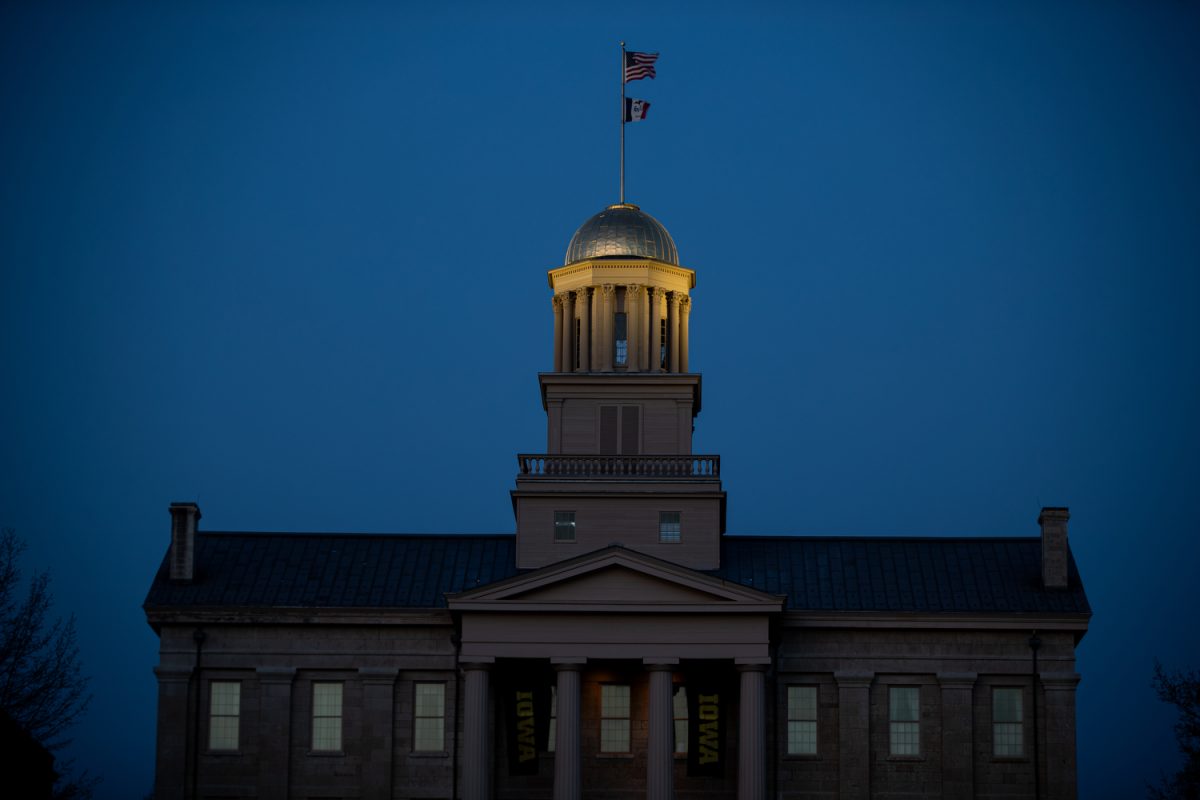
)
(288, 260)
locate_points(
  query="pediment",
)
(615, 579)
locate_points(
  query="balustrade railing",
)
(613, 466)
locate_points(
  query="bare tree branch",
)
(1182, 690)
(42, 685)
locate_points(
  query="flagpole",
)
(622, 118)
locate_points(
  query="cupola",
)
(621, 299)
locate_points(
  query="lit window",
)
(904, 715)
(681, 719)
(1008, 737)
(429, 718)
(553, 734)
(668, 526)
(614, 718)
(327, 717)
(564, 526)
(620, 339)
(224, 711)
(802, 720)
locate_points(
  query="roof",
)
(311, 570)
(900, 574)
(300, 570)
(622, 229)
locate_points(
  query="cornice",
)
(240, 615)
(1022, 621)
(604, 266)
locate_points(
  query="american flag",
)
(639, 65)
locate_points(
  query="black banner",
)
(708, 707)
(527, 719)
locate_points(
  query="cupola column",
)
(609, 307)
(596, 304)
(685, 312)
(635, 298)
(584, 304)
(656, 343)
(645, 364)
(556, 301)
(673, 331)
(568, 333)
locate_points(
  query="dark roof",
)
(299, 570)
(303, 570)
(900, 574)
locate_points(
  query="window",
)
(904, 715)
(1008, 734)
(327, 717)
(668, 526)
(620, 430)
(614, 718)
(681, 720)
(662, 338)
(802, 720)
(553, 733)
(564, 526)
(429, 718)
(578, 331)
(224, 711)
(620, 340)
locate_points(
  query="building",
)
(619, 645)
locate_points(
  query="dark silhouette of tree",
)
(1182, 690)
(42, 687)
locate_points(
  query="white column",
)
(556, 301)
(643, 325)
(685, 313)
(568, 772)
(673, 331)
(752, 733)
(584, 304)
(635, 299)
(656, 304)
(597, 334)
(568, 333)
(660, 745)
(609, 292)
(476, 764)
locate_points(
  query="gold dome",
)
(620, 230)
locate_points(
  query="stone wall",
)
(956, 671)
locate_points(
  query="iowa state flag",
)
(636, 110)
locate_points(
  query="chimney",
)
(185, 518)
(1053, 520)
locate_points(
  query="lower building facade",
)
(614, 675)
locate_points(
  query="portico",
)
(600, 619)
